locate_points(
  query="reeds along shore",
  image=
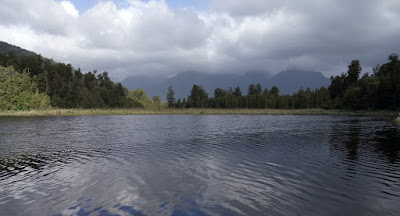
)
(206, 111)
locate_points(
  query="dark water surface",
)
(199, 165)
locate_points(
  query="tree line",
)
(377, 90)
(32, 82)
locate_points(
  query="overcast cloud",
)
(231, 37)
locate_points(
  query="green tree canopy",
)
(274, 90)
(198, 97)
(237, 92)
(17, 92)
(219, 93)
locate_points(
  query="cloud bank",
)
(151, 38)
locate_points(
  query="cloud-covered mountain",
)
(289, 82)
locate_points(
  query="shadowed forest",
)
(29, 81)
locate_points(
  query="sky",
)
(166, 37)
(201, 5)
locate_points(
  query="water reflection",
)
(359, 136)
(199, 165)
(84, 207)
(388, 142)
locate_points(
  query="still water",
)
(199, 165)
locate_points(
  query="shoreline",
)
(199, 111)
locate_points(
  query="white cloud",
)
(234, 36)
(69, 8)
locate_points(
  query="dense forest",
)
(29, 81)
(378, 90)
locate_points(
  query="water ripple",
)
(199, 165)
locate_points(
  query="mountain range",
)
(288, 82)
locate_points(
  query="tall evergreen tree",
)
(258, 89)
(251, 90)
(170, 97)
(354, 72)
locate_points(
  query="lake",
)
(199, 165)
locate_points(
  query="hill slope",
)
(19, 52)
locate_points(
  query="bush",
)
(17, 92)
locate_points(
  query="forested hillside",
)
(8, 48)
(33, 82)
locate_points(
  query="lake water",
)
(199, 165)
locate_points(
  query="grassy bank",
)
(93, 112)
(397, 120)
